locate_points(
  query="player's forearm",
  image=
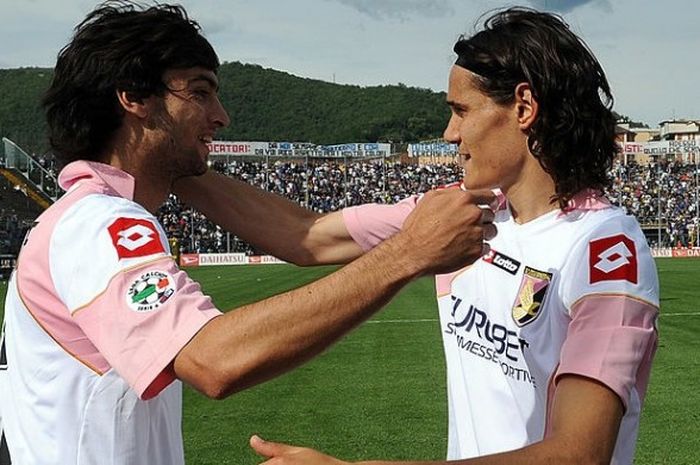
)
(585, 421)
(267, 221)
(542, 453)
(259, 341)
(254, 343)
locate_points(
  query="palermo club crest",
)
(533, 289)
(150, 291)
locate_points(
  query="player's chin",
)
(474, 183)
(195, 167)
(199, 169)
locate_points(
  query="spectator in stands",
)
(98, 303)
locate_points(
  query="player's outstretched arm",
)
(586, 419)
(259, 341)
(269, 221)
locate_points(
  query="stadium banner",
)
(658, 252)
(261, 149)
(632, 148)
(355, 150)
(189, 259)
(7, 264)
(671, 147)
(686, 252)
(435, 149)
(211, 259)
(264, 260)
(298, 149)
(206, 259)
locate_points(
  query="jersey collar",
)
(113, 180)
(587, 199)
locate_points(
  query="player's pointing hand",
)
(283, 454)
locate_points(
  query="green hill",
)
(264, 104)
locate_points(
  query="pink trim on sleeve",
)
(140, 344)
(611, 339)
(370, 224)
(443, 283)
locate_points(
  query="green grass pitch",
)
(380, 392)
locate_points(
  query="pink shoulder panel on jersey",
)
(611, 339)
(370, 224)
(143, 320)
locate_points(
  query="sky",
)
(649, 50)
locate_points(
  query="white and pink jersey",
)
(572, 292)
(95, 313)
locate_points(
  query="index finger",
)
(487, 215)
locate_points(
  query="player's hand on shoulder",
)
(449, 227)
(277, 453)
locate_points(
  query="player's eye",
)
(201, 94)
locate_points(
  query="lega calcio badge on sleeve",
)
(150, 291)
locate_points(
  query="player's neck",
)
(151, 185)
(531, 197)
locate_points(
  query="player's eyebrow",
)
(455, 104)
(203, 77)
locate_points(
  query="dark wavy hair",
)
(123, 46)
(573, 136)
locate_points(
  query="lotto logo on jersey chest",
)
(533, 290)
(612, 258)
(502, 261)
(135, 237)
(150, 291)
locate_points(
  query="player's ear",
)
(526, 106)
(132, 104)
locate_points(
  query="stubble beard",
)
(177, 158)
(186, 162)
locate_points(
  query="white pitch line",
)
(681, 314)
(404, 321)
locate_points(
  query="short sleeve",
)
(611, 339)
(611, 294)
(142, 320)
(110, 264)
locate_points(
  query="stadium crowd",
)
(660, 195)
(322, 187)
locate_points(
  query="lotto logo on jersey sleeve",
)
(135, 237)
(613, 258)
